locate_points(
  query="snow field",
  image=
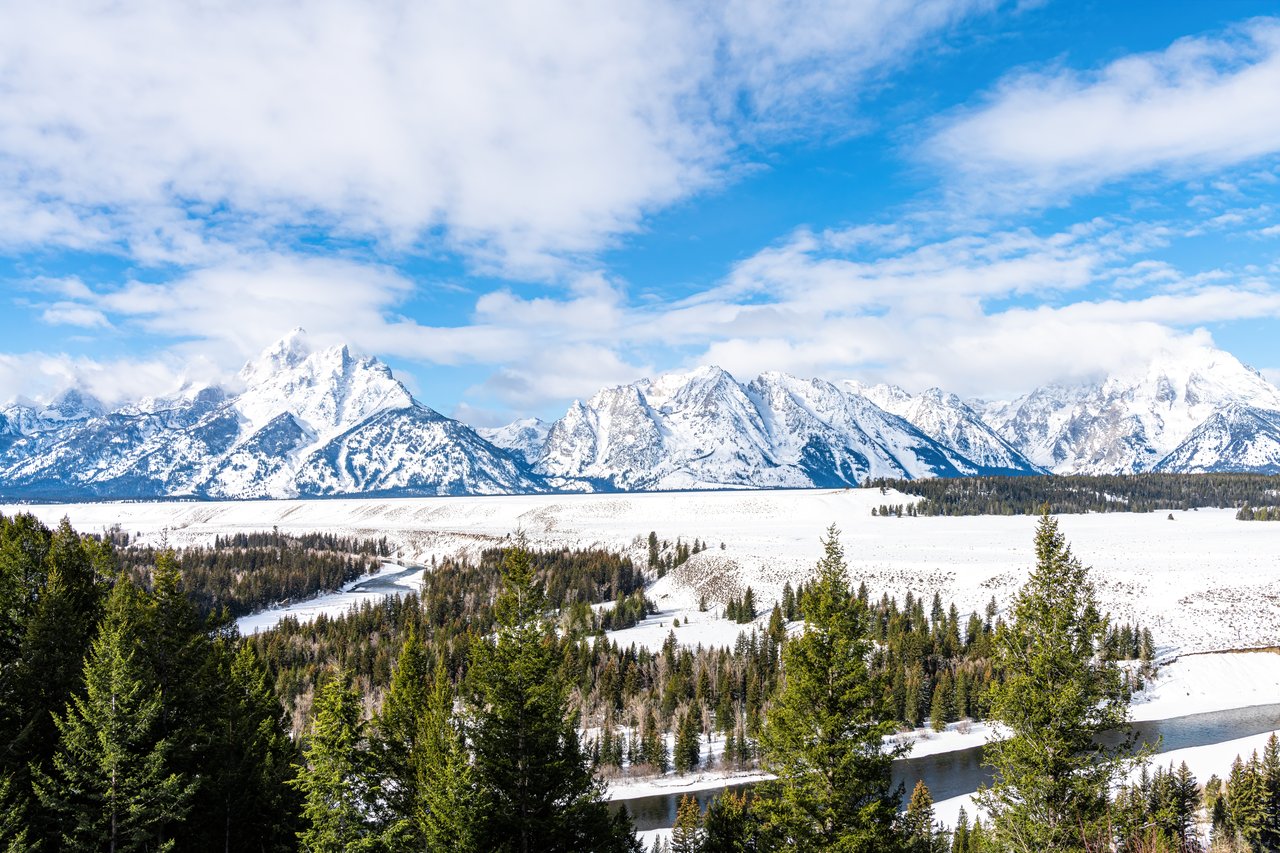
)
(1202, 582)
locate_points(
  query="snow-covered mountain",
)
(524, 437)
(307, 422)
(951, 422)
(703, 429)
(319, 422)
(1238, 438)
(1138, 419)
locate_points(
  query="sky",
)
(515, 204)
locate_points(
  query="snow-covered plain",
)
(1201, 582)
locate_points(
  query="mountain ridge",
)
(304, 422)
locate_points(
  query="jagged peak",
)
(286, 353)
(72, 404)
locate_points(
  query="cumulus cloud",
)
(524, 135)
(1203, 104)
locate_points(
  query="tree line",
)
(1076, 493)
(246, 572)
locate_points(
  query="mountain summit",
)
(308, 423)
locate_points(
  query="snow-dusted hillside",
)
(1138, 419)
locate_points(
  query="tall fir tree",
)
(338, 806)
(450, 805)
(251, 761)
(54, 610)
(538, 786)
(732, 825)
(397, 751)
(918, 825)
(111, 784)
(686, 834)
(1052, 775)
(825, 730)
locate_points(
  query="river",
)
(950, 774)
(391, 580)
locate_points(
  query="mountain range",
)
(312, 423)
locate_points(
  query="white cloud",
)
(71, 314)
(983, 315)
(1201, 105)
(40, 376)
(527, 133)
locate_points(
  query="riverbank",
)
(1220, 683)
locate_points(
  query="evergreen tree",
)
(111, 783)
(338, 800)
(1247, 802)
(731, 825)
(686, 835)
(960, 836)
(253, 760)
(918, 827)
(1052, 776)
(54, 602)
(540, 792)
(396, 751)
(449, 808)
(688, 748)
(825, 730)
(1271, 783)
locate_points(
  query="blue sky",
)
(517, 204)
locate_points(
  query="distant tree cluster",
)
(742, 608)
(665, 556)
(246, 572)
(1260, 513)
(1078, 493)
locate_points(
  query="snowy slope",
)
(951, 422)
(1238, 438)
(524, 437)
(1135, 419)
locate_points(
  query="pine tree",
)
(918, 826)
(731, 825)
(183, 657)
(111, 784)
(1247, 801)
(688, 748)
(1270, 770)
(686, 835)
(540, 792)
(960, 837)
(335, 786)
(1052, 777)
(825, 730)
(252, 760)
(449, 806)
(53, 609)
(396, 752)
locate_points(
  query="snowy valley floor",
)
(1202, 582)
